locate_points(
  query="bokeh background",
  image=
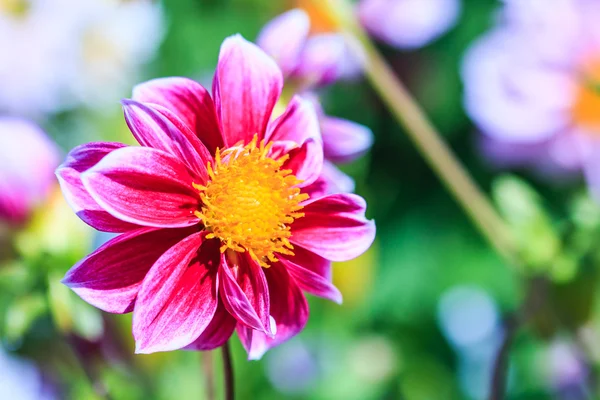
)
(424, 309)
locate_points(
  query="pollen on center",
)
(249, 202)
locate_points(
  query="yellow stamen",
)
(249, 202)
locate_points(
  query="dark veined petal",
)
(246, 87)
(144, 186)
(111, 276)
(154, 129)
(334, 227)
(189, 101)
(217, 333)
(289, 312)
(79, 160)
(179, 296)
(245, 293)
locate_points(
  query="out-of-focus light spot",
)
(467, 315)
(20, 379)
(292, 369)
(374, 359)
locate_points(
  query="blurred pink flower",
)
(532, 83)
(222, 225)
(408, 24)
(308, 61)
(27, 162)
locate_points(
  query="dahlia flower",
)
(222, 221)
(309, 61)
(408, 24)
(27, 161)
(531, 86)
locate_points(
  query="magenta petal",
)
(189, 101)
(178, 297)
(246, 296)
(217, 333)
(111, 276)
(311, 261)
(311, 282)
(79, 160)
(344, 140)
(246, 87)
(143, 186)
(306, 161)
(334, 227)
(298, 123)
(153, 129)
(289, 311)
(283, 37)
(337, 181)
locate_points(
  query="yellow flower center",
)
(586, 110)
(249, 202)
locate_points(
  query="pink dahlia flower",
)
(531, 85)
(223, 225)
(408, 24)
(308, 61)
(27, 162)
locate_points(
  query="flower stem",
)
(422, 133)
(228, 372)
(209, 374)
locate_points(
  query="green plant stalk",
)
(422, 133)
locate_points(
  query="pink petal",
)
(153, 129)
(283, 37)
(289, 310)
(298, 123)
(143, 186)
(246, 87)
(217, 333)
(334, 227)
(178, 298)
(79, 160)
(306, 161)
(246, 296)
(344, 140)
(311, 282)
(189, 101)
(321, 60)
(111, 276)
(309, 260)
(337, 181)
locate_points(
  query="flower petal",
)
(306, 162)
(79, 160)
(189, 101)
(334, 227)
(311, 282)
(246, 296)
(344, 140)
(178, 298)
(337, 181)
(152, 128)
(111, 276)
(143, 186)
(217, 333)
(321, 60)
(298, 123)
(283, 37)
(246, 87)
(289, 311)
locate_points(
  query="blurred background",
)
(427, 308)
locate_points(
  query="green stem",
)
(422, 133)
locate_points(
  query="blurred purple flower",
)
(408, 24)
(309, 61)
(532, 83)
(27, 162)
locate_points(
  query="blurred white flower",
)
(58, 54)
